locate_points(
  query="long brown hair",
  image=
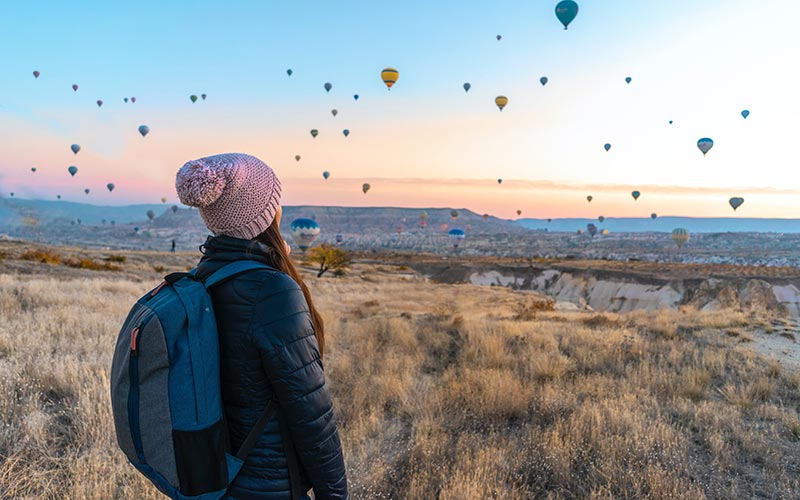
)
(283, 263)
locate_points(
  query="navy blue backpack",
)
(165, 389)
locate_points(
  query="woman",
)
(271, 336)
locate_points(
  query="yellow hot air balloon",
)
(501, 101)
(389, 77)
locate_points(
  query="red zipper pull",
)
(134, 341)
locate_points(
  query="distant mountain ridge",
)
(668, 223)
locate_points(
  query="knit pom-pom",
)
(199, 184)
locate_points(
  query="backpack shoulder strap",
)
(232, 270)
(255, 432)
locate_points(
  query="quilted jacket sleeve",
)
(283, 333)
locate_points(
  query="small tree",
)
(328, 257)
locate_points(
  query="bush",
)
(117, 258)
(86, 263)
(159, 269)
(329, 257)
(528, 311)
(43, 256)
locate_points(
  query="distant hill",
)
(667, 224)
(18, 211)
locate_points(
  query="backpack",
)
(165, 389)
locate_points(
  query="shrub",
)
(328, 257)
(86, 263)
(117, 258)
(527, 311)
(43, 256)
(159, 268)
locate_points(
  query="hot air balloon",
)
(33, 169)
(74, 87)
(454, 214)
(328, 86)
(601, 219)
(174, 208)
(705, 144)
(398, 230)
(365, 187)
(566, 12)
(467, 86)
(519, 212)
(670, 122)
(75, 148)
(423, 216)
(58, 196)
(334, 112)
(549, 220)
(628, 79)
(86, 190)
(72, 171)
(203, 97)
(456, 236)
(346, 132)
(589, 198)
(125, 99)
(36, 74)
(736, 202)
(99, 103)
(151, 215)
(653, 216)
(607, 146)
(163, 199)
(485, 216)
(314, 133)
(604, 232)
(680, 236)
(543, 80)
(339, 239)
(326, 174)
(110, 186)
(591, 229)
(745, 114)
(355, 97)
(499, 181)
(133, 100)
(499, 37)
(144, 130)
(136, 229)
(11, 193)
(296, 157)
(501, 101)
(635, 195)
(389, 77)
(304, 232)
(289, 72)
(193, 98)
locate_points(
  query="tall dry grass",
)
(441, 392)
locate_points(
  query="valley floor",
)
(441, 391)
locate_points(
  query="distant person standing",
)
(271, 335)
(173, 247)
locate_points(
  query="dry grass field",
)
(442, 391)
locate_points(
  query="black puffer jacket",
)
(268, 348)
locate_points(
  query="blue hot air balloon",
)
(705, 144)
(566, 12)
(75, 148)
(328, 86)
(467, 86)
(144, 130)
(355, 97)
(346, 132)
(745, 113)
(326, 174)
(339, 239)
(72, 170)
(289, 72)
(607, 146)
(628, 79)
(591, 229)
(543, 80)
(456, 236)
(304, 232)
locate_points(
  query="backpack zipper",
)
(133, 391)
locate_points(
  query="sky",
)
(425, 143)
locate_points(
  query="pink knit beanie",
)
(237, 194)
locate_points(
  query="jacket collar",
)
(220, 250)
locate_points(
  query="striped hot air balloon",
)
(389, 77)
